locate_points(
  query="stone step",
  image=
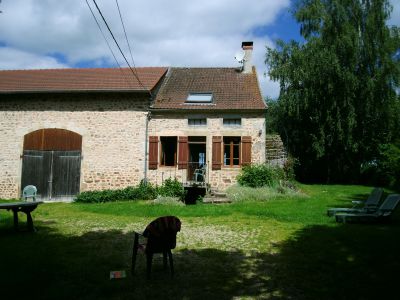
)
(216, 200)
(218, 194)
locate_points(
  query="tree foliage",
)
(338, 99)
(272, 116)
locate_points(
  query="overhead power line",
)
(126, 36)
(127, 41)
(120, 50)
(102, 33)
(108, 44)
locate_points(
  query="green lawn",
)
(283, 248)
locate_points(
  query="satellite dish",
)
(240, 56)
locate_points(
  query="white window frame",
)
(194, 98)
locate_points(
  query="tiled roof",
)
(231, 89)
(79, 80)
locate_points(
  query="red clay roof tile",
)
(76, 80)
(231, 89)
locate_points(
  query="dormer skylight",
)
(199, 98)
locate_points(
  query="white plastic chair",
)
(29, 191)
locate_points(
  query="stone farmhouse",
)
(72, 130)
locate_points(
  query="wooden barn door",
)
(35, 171)
(66, 172)
(52, 162)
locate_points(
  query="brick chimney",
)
(248, 53)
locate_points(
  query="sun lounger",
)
(381, 214)
(370, 205)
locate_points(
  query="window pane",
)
(168, 150)
(236, 155)
(236, 151)
(227, 155)
(162, 155)
(232, 151)
(197, 121)
(232, 121)
(199, 97)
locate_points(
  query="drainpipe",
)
(146, 137)
(148, 118)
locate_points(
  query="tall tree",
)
(338, 88)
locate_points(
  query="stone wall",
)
(112, 126)
(177, 125)
(275, 150)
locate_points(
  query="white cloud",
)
(16, 59)
(162, 33)
(270, 88)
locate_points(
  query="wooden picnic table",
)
(22, 206)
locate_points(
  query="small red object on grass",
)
(117, 274)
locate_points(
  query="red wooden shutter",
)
(216, 152)
(183, 153)
(153, 152)
(246, 150)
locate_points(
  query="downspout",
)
(146, 136)
(148, 118)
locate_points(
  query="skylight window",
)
(199, 98)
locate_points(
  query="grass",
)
(280, 248)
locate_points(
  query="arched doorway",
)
(52, 162)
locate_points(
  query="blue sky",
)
(284, 27)
(196, 33)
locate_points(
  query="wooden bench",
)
(25, 207)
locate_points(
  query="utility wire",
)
(102, 33)
(108, 44)
(126, 37)
(127, 41)
(120, 50)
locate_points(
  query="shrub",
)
(171, 188)
(168, 201)
(288, 168)
(200, 199)
(97, 196)
(144, 191)
(260, 175)
(243, 193)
